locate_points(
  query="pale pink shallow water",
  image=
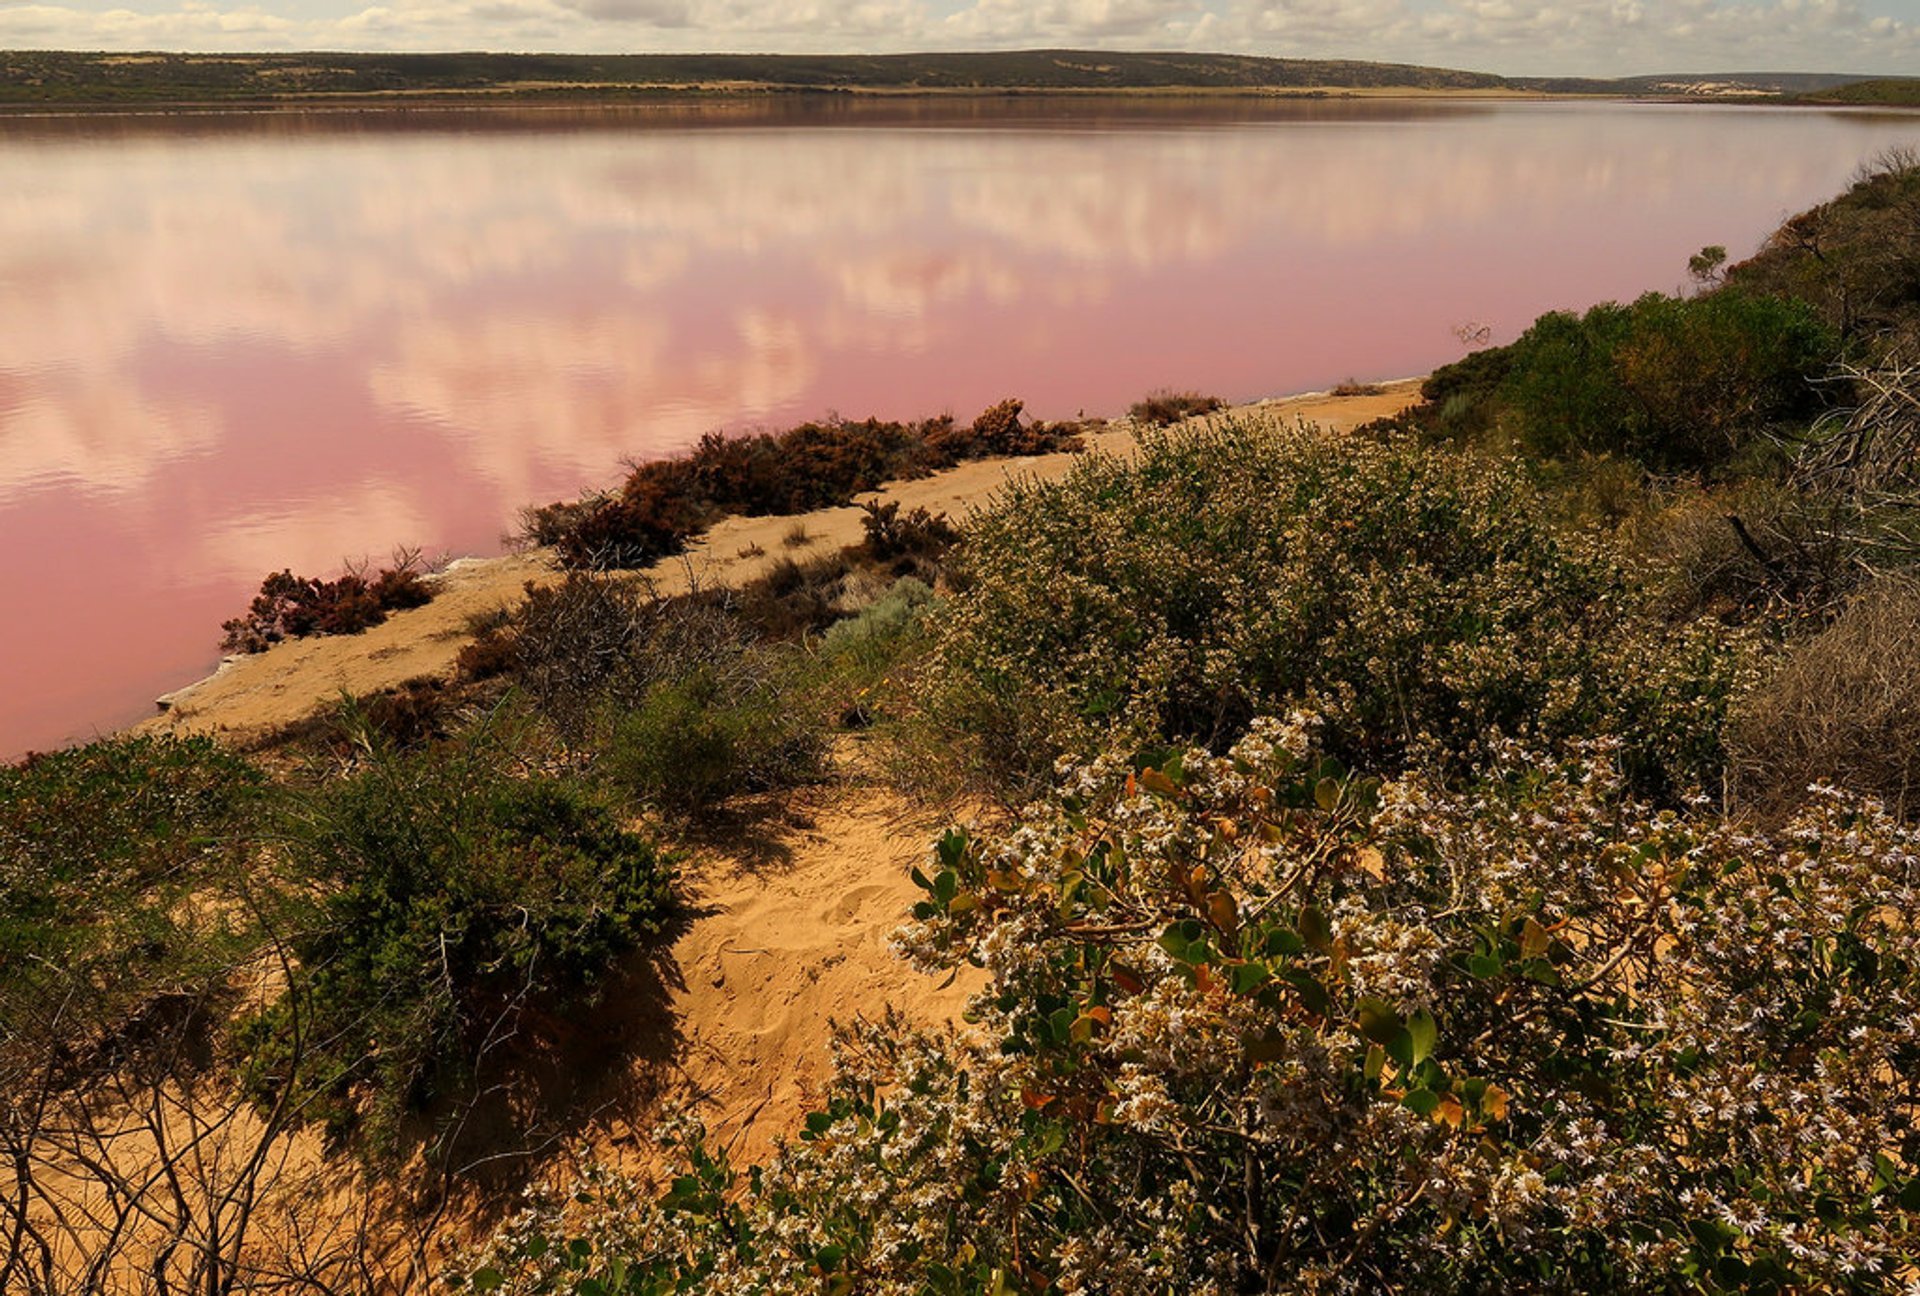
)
(234, 343)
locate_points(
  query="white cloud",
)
(1563, 36)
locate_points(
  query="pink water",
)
(235, 343)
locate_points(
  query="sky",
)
(1560, 37)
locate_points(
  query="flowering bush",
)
(1254, 1023)
(1413, 596)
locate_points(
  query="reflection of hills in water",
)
(1077, 111)
(234, 343)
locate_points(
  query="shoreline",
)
(249, 697)
(685, 97)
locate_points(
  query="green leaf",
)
(1283, 943)
(487, 1280)
(1425, 1033)
(1315, 930)
(1326, 794)
(1378, 1021)
(1485, 965)
(1376, 1062)
(1423, 1102)
(1174, 942)
(1313, 995)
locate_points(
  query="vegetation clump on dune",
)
(666, 502)
(293, 607)
(1474, 853)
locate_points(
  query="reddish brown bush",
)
(1165, 408)
(665, 503)
(892, 535)
(293, 607)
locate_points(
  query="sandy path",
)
(784, 941)
(254, 695)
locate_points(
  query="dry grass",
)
(1844, 708)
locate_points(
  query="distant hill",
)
(42, 77)
(1891, 92)
(32, 76)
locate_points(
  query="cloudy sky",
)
(1607, 37)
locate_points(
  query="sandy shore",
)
(251, 696)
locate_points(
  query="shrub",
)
(1856, 259)
(1254, 1024)
(892, 536)
(702, 735)
(452, 896)
(98, 841)
(1676, 383)
(866, 659)
(999, 431)
(1164, 408)
(575, 645)
(812, 466)
(1419, 598)
(292, 607)
(1844, 707)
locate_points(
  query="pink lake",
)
(231, 343)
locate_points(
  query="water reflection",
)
(235, 342)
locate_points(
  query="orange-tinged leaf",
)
(1035, 1100)
(1494, 1102)
(1533, 940)
(1224, 912)
(1102, 1014)
(1128, 980)
(1450, 1112)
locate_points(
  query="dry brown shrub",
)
(1844, 708)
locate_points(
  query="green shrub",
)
(1676, 383)
(452, 894)
(699, 737)
(1855, 259)
(98, 841)
(1415, 597)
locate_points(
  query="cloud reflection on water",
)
(230, 347)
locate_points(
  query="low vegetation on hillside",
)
(38, 76)
(1889, 92)
(1476, 853)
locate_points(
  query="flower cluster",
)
(1254, 1023)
